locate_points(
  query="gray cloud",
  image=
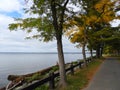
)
(15, 41)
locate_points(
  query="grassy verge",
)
(118, 57)
(81, 78)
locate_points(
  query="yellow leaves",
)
(102, 12)
(107, 17)
(76, 34)
(73, 22)
(76, 38)
(106, 10)
(104, 6)
(90, 20)
(81, 29)
(101, 6)
(98, 6)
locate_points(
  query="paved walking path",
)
(107, 77)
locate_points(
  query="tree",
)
(103, 14)
(77, 34)
(112, 43)
(51, 15)
(93, 22)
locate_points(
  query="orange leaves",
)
(106, 10)
(102, 6)
(109, 16)
(73, 22)
(90, 20)
(77, 34)
(76, 38)
(97, 15)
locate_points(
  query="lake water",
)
(23, 63)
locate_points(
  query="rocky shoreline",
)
(19, 80)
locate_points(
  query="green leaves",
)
(41, 25)
(14, 26)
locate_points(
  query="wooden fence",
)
(51, 78)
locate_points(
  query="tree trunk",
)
(98, 51)
(84, 54)
(101, 51)
(118, 52)
(91, 53)
(61, 64)
(58, 26)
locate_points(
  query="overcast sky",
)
(15, 41)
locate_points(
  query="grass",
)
(82, 77)
(34, 77)
(79, 80)
(118, 57)
(43, 87)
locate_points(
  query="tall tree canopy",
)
(50, 16)
(112, 43)
(93, 23)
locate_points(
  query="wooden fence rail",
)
(51, 78)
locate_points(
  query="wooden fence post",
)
(51, 82)
(72, 69)
(80, 64)
(90, 60)
(87, 61)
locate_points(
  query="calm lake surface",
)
(23, 63)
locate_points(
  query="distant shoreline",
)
(42, 52)
(24, 62)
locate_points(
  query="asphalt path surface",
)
(107, 77)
